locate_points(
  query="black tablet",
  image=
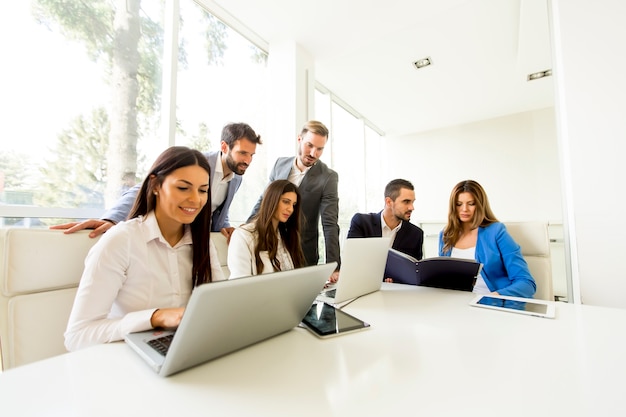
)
(324, 320)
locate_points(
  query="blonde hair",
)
(315, 127)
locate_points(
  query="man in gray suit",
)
(318, 187)
(237, 147)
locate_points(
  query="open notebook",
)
(440, 272)
(225, 316)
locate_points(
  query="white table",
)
(427, 353)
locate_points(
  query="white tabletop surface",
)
(427, 353)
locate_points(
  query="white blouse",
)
(131, 272)
(241, 262)
(470, 253)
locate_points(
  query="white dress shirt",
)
(129, 273)
(241, 261)
(295, 175)
(480, 287)
(387, 231)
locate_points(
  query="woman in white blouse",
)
(271, 241)
(141, 272)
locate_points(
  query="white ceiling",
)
(482, 52)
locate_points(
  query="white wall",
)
(292, 76)
(515, 158)
(589, 62)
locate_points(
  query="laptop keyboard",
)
(161, 344)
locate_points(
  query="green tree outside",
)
(126, 39)
(75, 175)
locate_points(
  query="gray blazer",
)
(319, 198)
(120, 211)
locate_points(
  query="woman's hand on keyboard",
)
(167, 318)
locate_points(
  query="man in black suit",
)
(393, 220)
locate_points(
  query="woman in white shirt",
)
(141, 272)
(271, 241)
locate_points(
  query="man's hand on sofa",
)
(99, 226)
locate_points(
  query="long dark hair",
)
(289, 231)
(170, 160)
(483, 216)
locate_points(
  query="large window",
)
(83, 103)
(354, 151)
(95, 95)
(56, 102)
(221, 79)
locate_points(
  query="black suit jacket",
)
(409, 239)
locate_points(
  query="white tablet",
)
(528, 306)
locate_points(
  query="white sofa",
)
(39, 272)
(535, 243)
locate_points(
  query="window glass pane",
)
(355, 152)
(323, 114)
(349, 162)
(374, 180)
(221, 79)
(73, 95)
(84, 112)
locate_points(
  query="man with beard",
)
(318, 187)
(393, 220)
(237, 147)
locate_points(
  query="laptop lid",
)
(362, 266)
(225, 316)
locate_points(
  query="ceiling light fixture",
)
(540, 74)
(421, 63)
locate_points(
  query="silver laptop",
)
(225, 316)
(363, 263)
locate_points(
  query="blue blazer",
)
(219, 220)
(409, 239)
(504, 268)
(319, 199)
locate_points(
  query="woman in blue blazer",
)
(473, 232)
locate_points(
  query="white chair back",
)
(39, 273)
(535, 243)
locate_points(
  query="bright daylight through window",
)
(83, 103)
(89, 105)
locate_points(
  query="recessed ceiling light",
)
(421, 63)
(540, 74)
